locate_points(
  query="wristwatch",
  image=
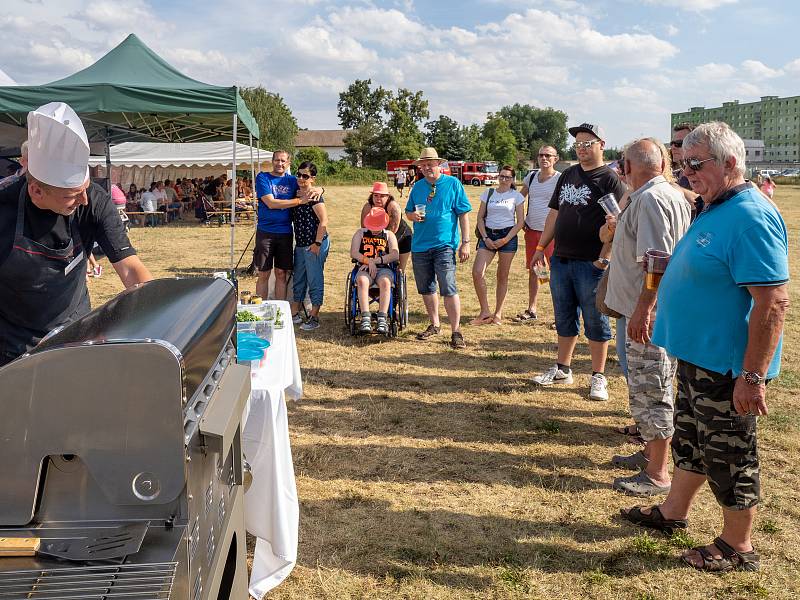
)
(316, 243)
(604, 261)
(752, 378)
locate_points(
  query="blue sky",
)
(625, 64)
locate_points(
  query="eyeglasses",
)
(304, 176)
(506, 177)
(587, 144)
(676, 143)
(693, 163)
(433, 192)
(548, 155)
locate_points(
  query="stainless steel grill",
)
(120, 439)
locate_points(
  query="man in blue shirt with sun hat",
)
(436, 241)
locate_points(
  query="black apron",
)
(40, 288)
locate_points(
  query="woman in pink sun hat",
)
(381, 198)
(375, 247)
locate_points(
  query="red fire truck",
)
(476, 173)
(406, 164)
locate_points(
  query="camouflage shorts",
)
(711, 439)
(650, 392)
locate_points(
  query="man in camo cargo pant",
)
(721, 307)
(656, 217)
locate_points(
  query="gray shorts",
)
(652, 400)
(381, 272)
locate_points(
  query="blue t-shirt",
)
(703, 302)
(440, 227)
(275, 220)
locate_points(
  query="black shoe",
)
(431, 331)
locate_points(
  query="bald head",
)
(644, 160)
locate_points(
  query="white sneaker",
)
(553, 375)
(297, 319)
(598, 388)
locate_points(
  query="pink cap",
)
(376, 219)
(380, 188)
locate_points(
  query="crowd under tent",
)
(141, 163)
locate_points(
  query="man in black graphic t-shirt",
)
(579, 258)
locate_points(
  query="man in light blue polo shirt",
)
(721, 307)
(436, 241)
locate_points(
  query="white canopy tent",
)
(143, 162)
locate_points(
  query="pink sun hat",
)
(118, 196)
(376, 219)
(380, 188)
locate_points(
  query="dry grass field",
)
(429, 473)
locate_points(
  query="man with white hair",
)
(721, 308)
(656, 217)
(49, 221)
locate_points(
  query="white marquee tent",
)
(144, 162)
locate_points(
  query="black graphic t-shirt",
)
(374, 245)
(580, 217)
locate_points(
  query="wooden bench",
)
(220, 217)
(139, 217)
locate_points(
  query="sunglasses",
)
(676, 143)
(547, 155)
(433, 192)
(586, 144)
(693, 163)
(506, 177)
(304, 176)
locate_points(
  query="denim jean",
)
(436, 264)
(622, 355)
(309, 272)
(573, 286)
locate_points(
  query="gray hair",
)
(722, 141)
(23, 149)
(647, 154)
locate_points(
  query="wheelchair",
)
(398, 302)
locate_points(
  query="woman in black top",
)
(381, 198)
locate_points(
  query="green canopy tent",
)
(132, 94)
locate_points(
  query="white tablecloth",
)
(272, 511)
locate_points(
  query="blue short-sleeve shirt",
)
(440, 227)
(275, 220)
(703, 302)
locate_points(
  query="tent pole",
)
(233, 194)
(108, 162)
(252, 166)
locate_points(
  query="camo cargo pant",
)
(650, 392)
(712, 440)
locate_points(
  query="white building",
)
(330, 140)
(754, 150)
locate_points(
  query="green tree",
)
(445, 135)
(360, 110)
(500, 139)
(313, 154)
(476, 147)
(275, 120)
(533, 126)
(401, 137)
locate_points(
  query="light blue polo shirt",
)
(440, 227)
(703, 302)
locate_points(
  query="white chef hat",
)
(58, 148)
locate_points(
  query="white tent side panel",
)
(142, 162)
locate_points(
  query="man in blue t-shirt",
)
(721, 307)
(276, 193)
(438, 206)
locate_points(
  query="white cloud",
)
(672, 31)
(759, 70)
(104, 15)
(793, 67)
(692, 5)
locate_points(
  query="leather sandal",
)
(731, 560)
(653, 520)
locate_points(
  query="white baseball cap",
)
(58, 148)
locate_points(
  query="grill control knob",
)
(146, 486)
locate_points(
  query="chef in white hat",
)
(49, 221)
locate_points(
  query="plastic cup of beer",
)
(656, 262)
(609, 204)
(421, 209)
(542, 273)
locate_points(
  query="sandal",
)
(731, 560)
(481, 320)
(653, 520)
(630, 430)
(525, 315)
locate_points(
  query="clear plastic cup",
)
(542, 273)
(609, 204)
(656, 262)
(421, 210)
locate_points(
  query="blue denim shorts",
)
(432, 265)
(496, 234)
(573, 286)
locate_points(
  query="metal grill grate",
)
(131, 582)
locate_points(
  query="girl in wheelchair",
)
(375, 248)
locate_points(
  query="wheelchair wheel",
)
(393, 328)
(402, 302)
(348, 302)
(352, 326)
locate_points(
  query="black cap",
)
(592, 128)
